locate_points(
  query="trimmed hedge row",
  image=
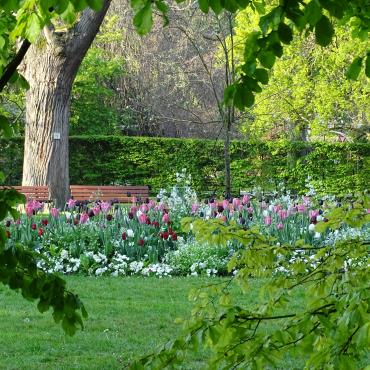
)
(102, 160)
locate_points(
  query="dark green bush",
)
(100, 160)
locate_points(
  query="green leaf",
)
(367, 65)
(203, 5)
(61, 6)
(243, 3)
(231, 6)
(285, 33)
(243, 97)
(313, 12)
(5, 127)
(252, 84)
(262, 75)
(33, 27)
(267, 59)
(324, 31)
(354, 69)
(277, 49)
(215, 6)
(22, 82)
(95, 4)
(69, 15)
(143, 19)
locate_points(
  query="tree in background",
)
(309, 95)
(97, 107)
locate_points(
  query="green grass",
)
(128, 317)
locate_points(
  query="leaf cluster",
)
(329, 330)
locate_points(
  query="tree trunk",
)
(50, 68)
(227, 160)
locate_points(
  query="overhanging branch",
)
(13, 65)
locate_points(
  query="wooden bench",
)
(119, 193)
(39, 193)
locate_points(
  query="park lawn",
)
(128, 317)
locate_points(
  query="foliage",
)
(308, 88)
(330, 329)
(333, 168)
(193, 258)
(95, 99)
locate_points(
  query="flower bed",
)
(101, 238)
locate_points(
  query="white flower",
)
(265, 213)
(68, 215)
(194, 273)
(319, 218)
(130, 233)
(311, 227)
(317, 236)
(64, 254)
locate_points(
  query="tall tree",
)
(50, 67)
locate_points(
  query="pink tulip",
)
(301, 208)
(54, 212)
(142, 218)
(151, 204)
(277, 208)
(161, 206)
(37, 205)
(263, 205)
(84, 218)
(105, 206)
(283, 214)
(166, 218)
(250, 210)
(96, 210)
(144, 208)
(29, 209)
(236, 202)
(133, 209)
(213, 205)
(313, 213)
(246, 199)
(225, 204)
(267, 220)
(279, 226)
(240, 208)
(71, 203)
(194, 208)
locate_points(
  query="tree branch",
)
(13, 65)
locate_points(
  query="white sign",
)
(56, 135)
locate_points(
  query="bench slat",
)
(121, 193)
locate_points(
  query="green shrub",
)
(103, 160)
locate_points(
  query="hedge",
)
(101, 160)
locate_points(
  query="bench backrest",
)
(121, 193)
(40, 193)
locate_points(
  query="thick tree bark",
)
(50, 68)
